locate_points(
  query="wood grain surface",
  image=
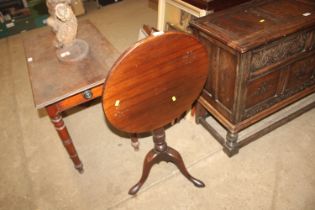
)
(154, 82)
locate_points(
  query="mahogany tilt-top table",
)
(58, 86)
(154, 82)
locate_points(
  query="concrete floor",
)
(275, 172)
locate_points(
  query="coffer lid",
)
(257, 22)
(214, 5)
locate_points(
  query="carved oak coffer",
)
(262, 59)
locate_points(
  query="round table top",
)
(154, 82)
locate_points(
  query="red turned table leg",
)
(63, 133)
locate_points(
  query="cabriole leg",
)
(162, 152)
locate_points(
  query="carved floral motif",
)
(287, 93)
(283, 50)
(262, 89)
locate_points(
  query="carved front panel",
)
(302, 75)
(261, 89)
(279, 51)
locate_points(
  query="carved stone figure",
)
(51, 4)
(64, 24)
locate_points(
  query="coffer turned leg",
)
(64, 135)
(231, 146)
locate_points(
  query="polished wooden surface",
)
(262, 59)
(52, 80)
(154, 82)
(257, 22)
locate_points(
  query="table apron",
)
(80, 98)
